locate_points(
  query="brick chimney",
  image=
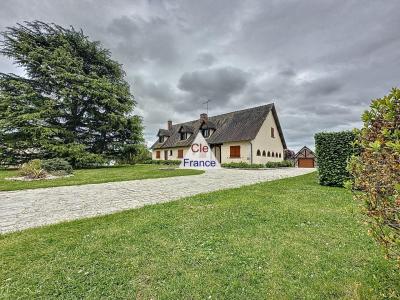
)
(169, 125)
(204, 117)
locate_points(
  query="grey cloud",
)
(206, 59)
(217, 84)
(322, 87)
(142, 40)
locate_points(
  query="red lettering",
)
(193, 147)
(199, 148)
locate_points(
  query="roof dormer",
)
(163, 135)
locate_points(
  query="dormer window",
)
(184, 135)
(163, 135)
(205, 132)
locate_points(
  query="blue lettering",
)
(199, 163)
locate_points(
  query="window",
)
(184, 135)
(158, 154)
(180, 153)
(263, 152)
(206, 133)
(258, 152)
(280, 155)
(269, 154)
(235, 151)
(170, 152)
(272, 132)
(273, 154)
(161, 139)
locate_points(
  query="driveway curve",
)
(32, 208)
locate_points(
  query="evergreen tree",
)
(72, 103)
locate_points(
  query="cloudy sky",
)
(321, 62)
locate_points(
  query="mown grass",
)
(98, 175)
(286, 239)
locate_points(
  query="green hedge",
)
(242, 165)
(279, 164)
(333, 150)
(270, 164)
(163, 162)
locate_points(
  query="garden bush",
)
(289, 154)
(242, 165)
(57, 166)
(333, 150)
(270, 164)
(279, 164)
(33, 169)
(376, 171)
(163, 162)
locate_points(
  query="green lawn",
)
(287, 239)
(100, 175)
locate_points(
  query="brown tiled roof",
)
(164, 132)
(242, 125)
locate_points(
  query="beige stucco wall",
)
(174, 155)
(225, 152)
(244, 152)
(264, 141)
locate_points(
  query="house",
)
(305, 158)
(251, 135)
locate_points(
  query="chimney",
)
(169, 126)
(204, 117)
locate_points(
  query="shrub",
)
(289, 154)
(376, 171)
(270, 164)
(57, 166)
(279, 164)
(242, 165)
(163, 162)
(333, 150)
(33, 169)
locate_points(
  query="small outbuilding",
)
(305, 158)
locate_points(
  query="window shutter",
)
(180, 153)
(235, 151)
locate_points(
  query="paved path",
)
(31, 208)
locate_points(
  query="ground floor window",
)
(235, 151)
(158, 154)
(170, 152)
(180, 153)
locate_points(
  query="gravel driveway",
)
(31, 208)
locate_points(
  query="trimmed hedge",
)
(333, 150)
(279, 164)
(270, 164)
(163, 162)
(242, 165)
